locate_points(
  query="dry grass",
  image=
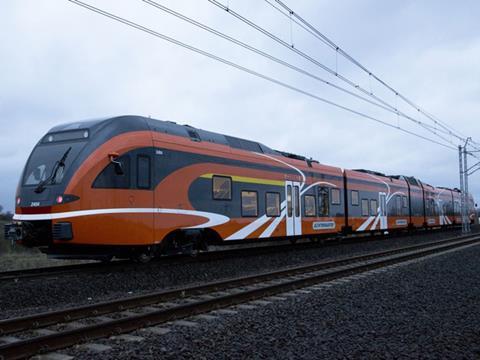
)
(26, 260)
(18, 257)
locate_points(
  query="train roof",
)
(126, 123)
(371, 172)
(410, 179)
(113, 126)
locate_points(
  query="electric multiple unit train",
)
(136, 187)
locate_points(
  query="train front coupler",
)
(30, 233)
(13, 232)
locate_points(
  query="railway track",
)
(16, 275)
(75, 325)
(125, 265)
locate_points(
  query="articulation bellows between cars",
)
(131, 186)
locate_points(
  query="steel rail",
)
(319, 273)
(9, 326)
(52, 271)
(56, 270)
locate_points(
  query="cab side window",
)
(143, 172)
(109, 179)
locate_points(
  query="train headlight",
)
(65, 198)
(18, 200)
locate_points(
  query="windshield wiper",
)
(50, 179)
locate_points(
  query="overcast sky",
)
(62, 63)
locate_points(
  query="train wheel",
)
(142, 255)
(142, 258)
(194, 252)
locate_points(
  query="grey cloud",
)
(63, 63)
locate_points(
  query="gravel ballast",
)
(37, 295)
(425, 309)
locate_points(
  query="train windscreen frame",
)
(44, 159)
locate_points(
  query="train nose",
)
(29, 198)
(38, 233)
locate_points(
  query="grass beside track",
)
(18, 257)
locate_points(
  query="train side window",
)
(398, 200)
(365, 209)
(355, 198)
(323, 201)
(310, 208)
(109, 179)
(143, 172)
(405, 206)
(434, 208)
(272, 204)
(222, 187)
(335, 197)
(373, 207)
(249, 203)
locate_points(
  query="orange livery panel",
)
(131, 185)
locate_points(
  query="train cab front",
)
(41, 190)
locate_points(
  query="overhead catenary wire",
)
(312, 30)
(444, 128)
(247, 70)
(295, 21)
(284, 63)
(323, 38)
(259, 52)
(323, 66)
(298, 52)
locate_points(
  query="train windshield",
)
(45, 163)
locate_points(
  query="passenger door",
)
(383, 210)
(293, 208)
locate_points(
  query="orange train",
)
(136, 187)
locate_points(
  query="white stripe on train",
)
(213, 218)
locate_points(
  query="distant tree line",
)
(5, 215)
